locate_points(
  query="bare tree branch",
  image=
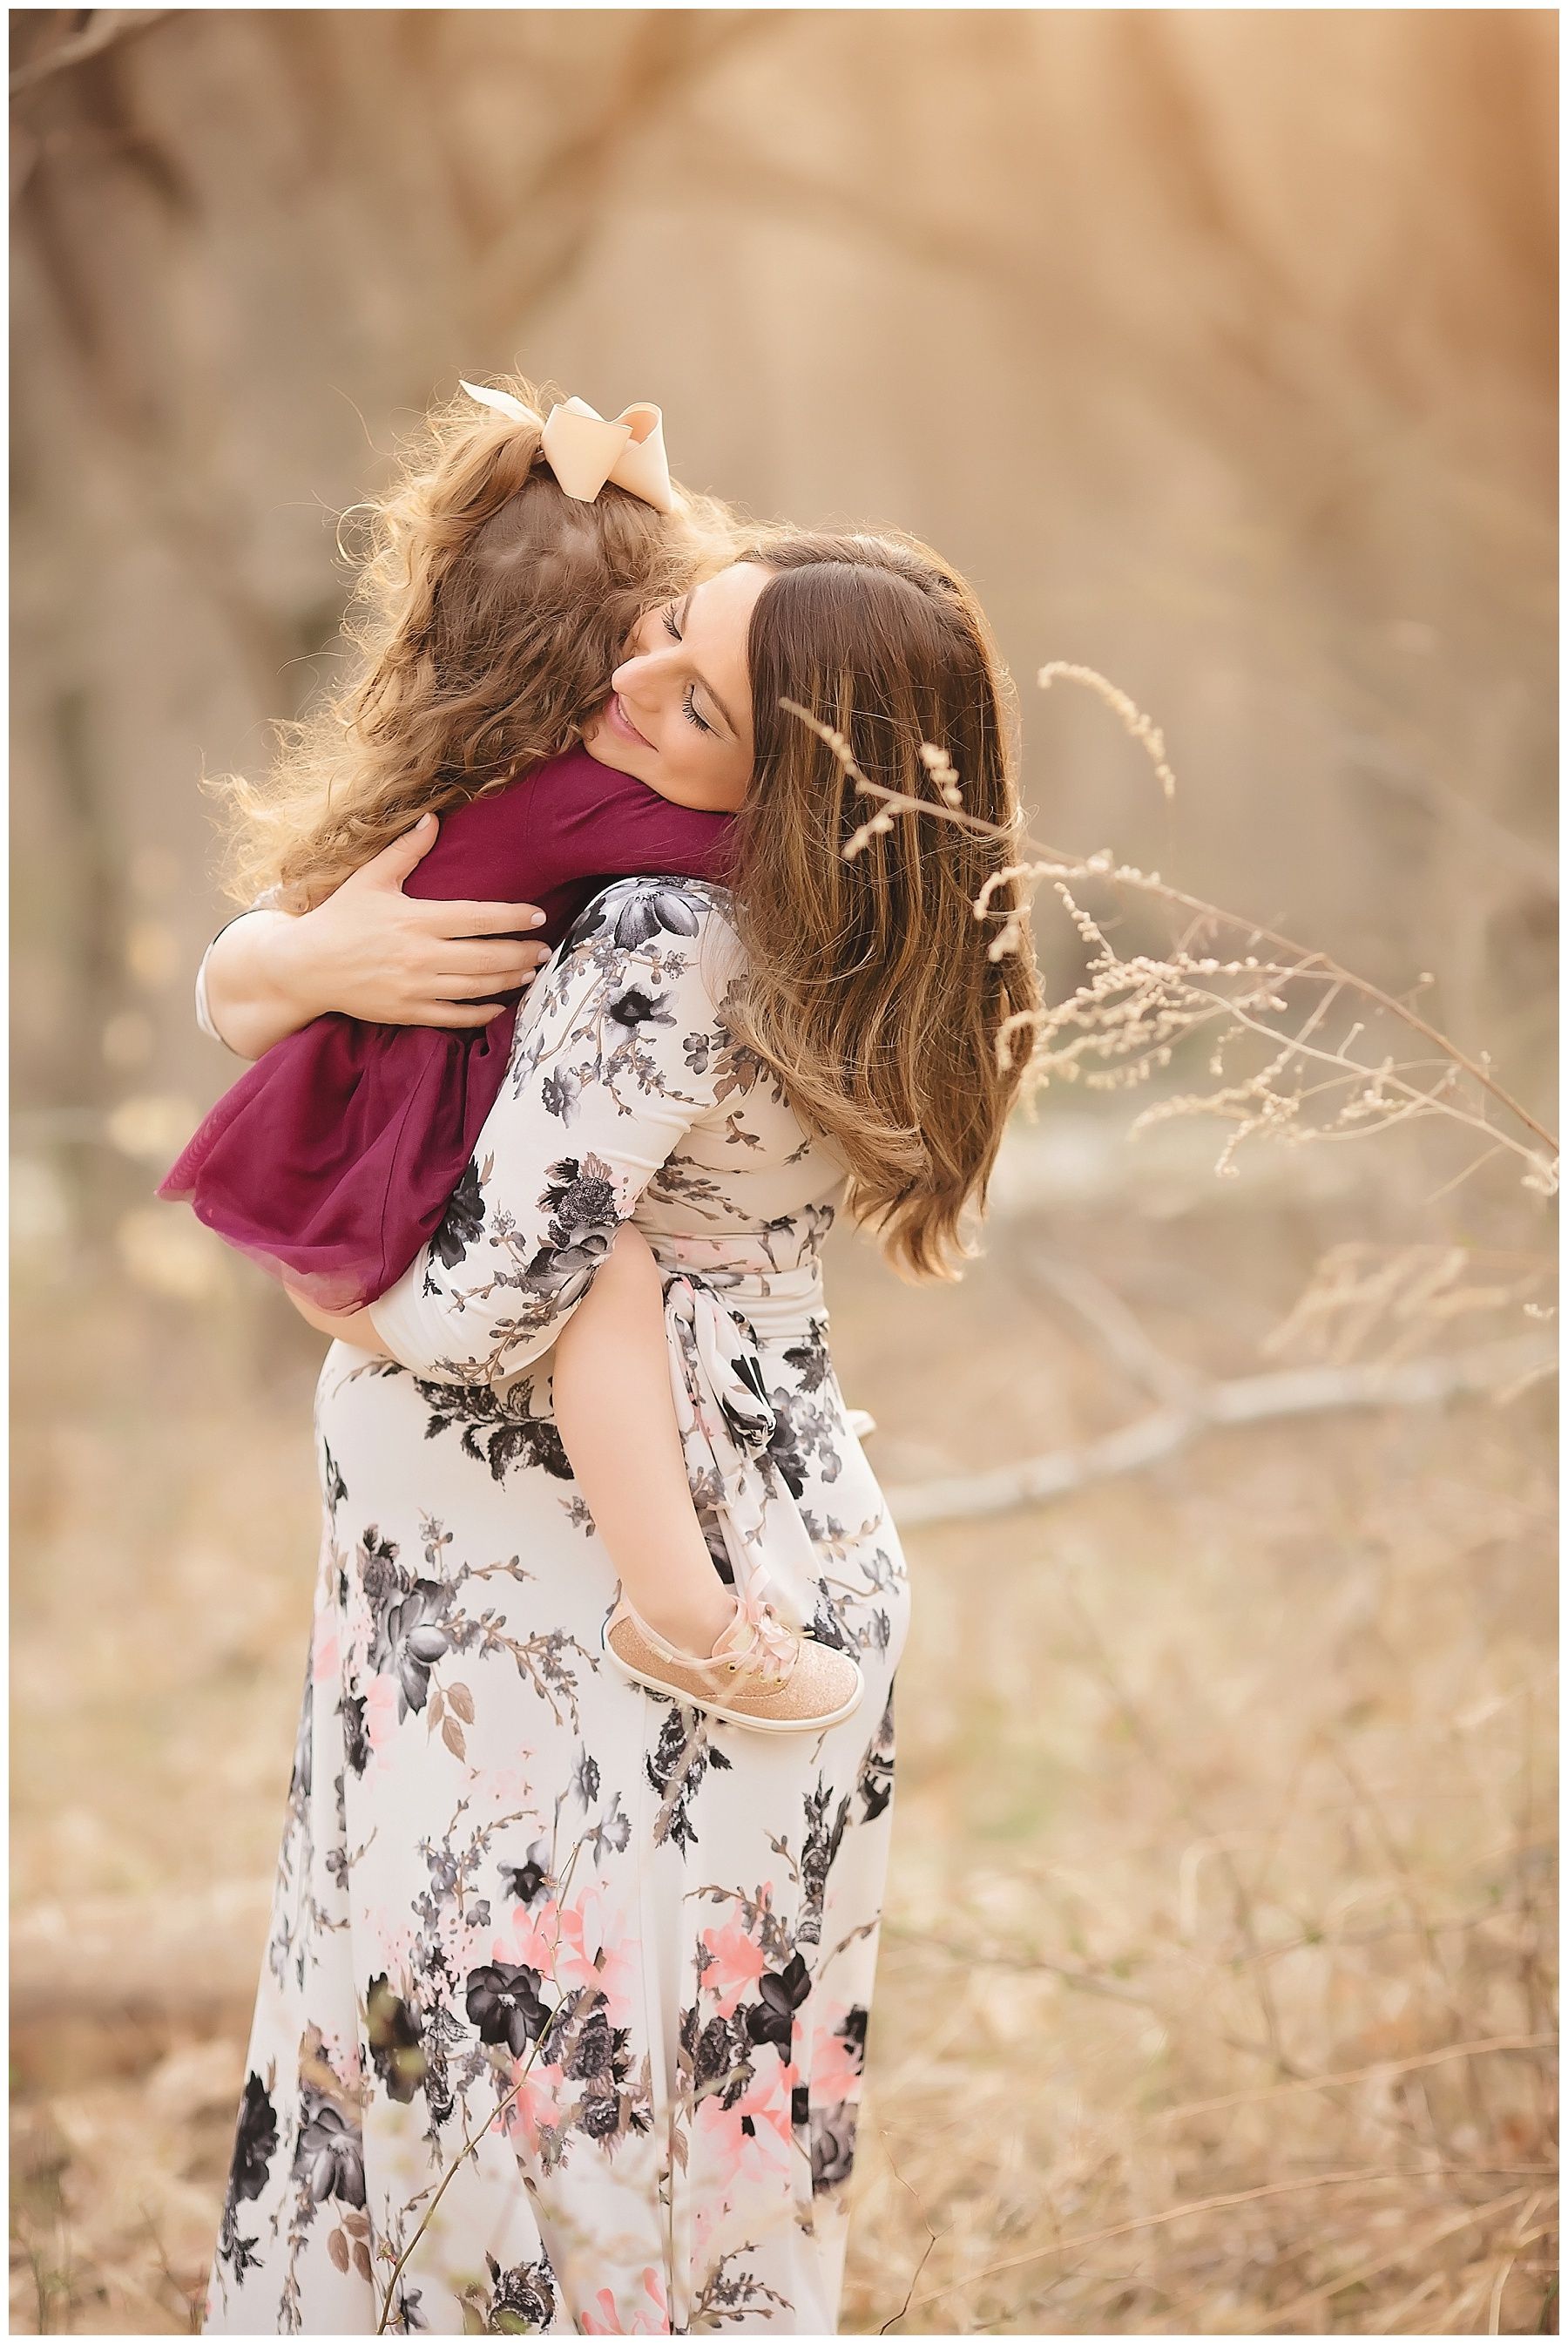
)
(1245, 1400)
(108, 26)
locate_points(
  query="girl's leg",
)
(614, 1413)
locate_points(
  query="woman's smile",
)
(617, 720)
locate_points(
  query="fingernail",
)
(537, 919)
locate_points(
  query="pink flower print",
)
(380, 1711)
(737, 1964)
(835, 2062)
(651, 2321)
(758, 2151)
(596, 1947)
(505, 1788)
(531, 1938)
(538, 2102)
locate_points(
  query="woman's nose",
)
(635, 674)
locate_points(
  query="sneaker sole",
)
(717, 1708)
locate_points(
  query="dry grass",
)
(1216, 1989)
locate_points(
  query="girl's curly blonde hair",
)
(488, 610)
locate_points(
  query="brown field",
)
(1216, 1988)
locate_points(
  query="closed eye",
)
(688, 703)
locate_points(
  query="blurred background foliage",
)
(1219, 349)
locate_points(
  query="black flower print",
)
(464, 1219)
(255, 2146)
(637, 1007)
(580, 1200)
(784, 1448)
(503, 2002)
(809, 1360)
(417, 1640)
(378, 1572)
(822, 1843)
(721, 2061)
(832, 2145)
(559, 1093)
(676, 1766)
(329, 2159)
(524, 2298)
(255, 2141)
(393, 2032)
(852, 2033)
(754, 1422)
(635, 912)
(356, 1735)
(771, 2018)
(611, 1832)
(698, 1050)
(499, 1427)
(407, 2318)
(334, 1488)
(529, 1882)
(599, 2115)
(590, 2054)
(579, 1196)
(874, 1785)
(827, 1627)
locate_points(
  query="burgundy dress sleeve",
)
(332, 1160)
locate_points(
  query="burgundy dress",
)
(332, 1159)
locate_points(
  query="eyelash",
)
(673, 632)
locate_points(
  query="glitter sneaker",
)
(761, 1673)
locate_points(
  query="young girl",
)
(506, 571)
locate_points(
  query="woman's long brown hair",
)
(488, 611)
(869, 986)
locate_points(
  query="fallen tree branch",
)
(1244, 1400)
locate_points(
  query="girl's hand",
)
(372, 952)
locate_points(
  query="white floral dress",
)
(562, 2018)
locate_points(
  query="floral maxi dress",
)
(563, 2012)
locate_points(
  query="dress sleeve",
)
(621, 1050)
(203, 1006)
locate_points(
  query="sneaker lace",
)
(772, 1647)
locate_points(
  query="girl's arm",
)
(368, 951)
(611, 1392)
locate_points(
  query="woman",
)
(564, 2008)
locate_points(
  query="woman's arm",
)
(368, 951)
(620, 1057)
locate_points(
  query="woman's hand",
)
(372, 952)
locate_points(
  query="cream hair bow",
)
(584, 450)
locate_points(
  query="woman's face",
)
(678, 716)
